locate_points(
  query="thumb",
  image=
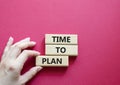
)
(30, 74)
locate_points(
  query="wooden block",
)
(52, 61)
(61, 39)
(69, 50)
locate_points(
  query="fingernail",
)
(38, 52)
(39, 68)
(28, 38)
(33, 42)
(10, 38)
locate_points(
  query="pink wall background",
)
(97, 22)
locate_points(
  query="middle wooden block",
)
(69, 50)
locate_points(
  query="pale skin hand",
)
(12, 61)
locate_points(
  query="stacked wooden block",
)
(58, 48)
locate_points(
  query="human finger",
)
(16, 50)
(24, 56)
(7, 47)
(22, 41)
(30, 74)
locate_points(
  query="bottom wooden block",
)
(50, 61)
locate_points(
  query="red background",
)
(97, 22)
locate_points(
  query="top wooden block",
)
(58, 39)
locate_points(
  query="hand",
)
(12, 61)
